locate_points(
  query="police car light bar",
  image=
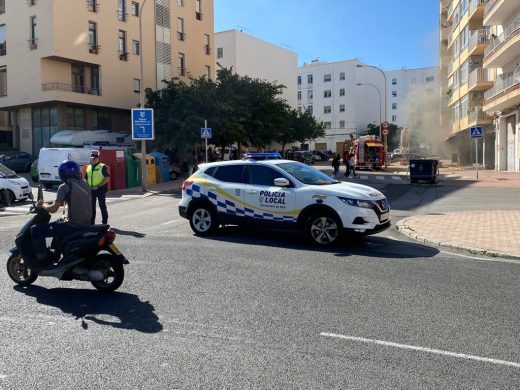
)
(262, 156)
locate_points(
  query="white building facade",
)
(346, 96)
(256, 58)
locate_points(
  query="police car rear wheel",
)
(322, 229)
(203, 221)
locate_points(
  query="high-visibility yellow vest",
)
(95, 176)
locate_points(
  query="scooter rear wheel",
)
(19, 272)
(113, 271)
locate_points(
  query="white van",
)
(50, 159)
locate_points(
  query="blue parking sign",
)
(142, 124)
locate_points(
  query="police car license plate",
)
(114, 248)
(384, 217)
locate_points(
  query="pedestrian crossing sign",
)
(475, 132)
(205, 133)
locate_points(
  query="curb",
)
(407, 231)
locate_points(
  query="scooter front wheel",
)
(113, 272)
(19, 272)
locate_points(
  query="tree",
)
(299, 127)
(394, 134)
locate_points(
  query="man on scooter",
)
(76, 194)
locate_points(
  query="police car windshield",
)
(306, 174)
(6, 172)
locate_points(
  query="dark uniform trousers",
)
(100, 194)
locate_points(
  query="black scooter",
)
(90, 254)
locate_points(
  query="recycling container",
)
(163, 164)
(424, 170)
(150, 168)
(133, 171)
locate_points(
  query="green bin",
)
(133, 171)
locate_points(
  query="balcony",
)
(70, 88)
(478, 41)
(93, 48)
(3, 48)
(182, 71)
(198, 16)
(181, 36)
(497, 11)
(451, 8)
(504, 94)
(476, 9)
(207, 50)
(32, 43)
(504, 48)
(480, 80)
(477, 116)
(123, 56)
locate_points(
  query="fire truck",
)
(368, 150)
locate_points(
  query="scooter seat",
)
(83, 232)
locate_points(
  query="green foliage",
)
(394, 134)
(238, 109)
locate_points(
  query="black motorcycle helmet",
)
(68, 169)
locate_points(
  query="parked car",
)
(175, 172)
(320, 156)
(17, 161)
(34, 171)
(17, 187)
(303, 156)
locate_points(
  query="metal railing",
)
(479, 75)
(503, 83)
(473, 4)
(3, 49)
(70, 88)
(479, 37)
(451, 8)
(490, 4)
(477, 113)
(497, 41)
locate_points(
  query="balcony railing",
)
(182, 71)
(451, 8)
(490, 4)
(33, 43)
(502, 84)
(70, 88)
(207, 49)
(479, 37)
(473, 4)
(198, 16)
(477, 113)
(479, 75)
(3, 49)
(497, 41)
(93, 48)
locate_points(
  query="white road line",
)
(380, 177)
(363, 177)
(172, 221)
(422, 349)
(396, 178)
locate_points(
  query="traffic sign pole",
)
(476, 132)
(206, 139)
(476, 155)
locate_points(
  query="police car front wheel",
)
(322, 229)
(203, 220)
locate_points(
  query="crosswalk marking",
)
(380, 178)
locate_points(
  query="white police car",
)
(280, 193)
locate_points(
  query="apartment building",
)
(330, 91)
(256, 58)
(75, 64)
(502, 102)
(463, 39)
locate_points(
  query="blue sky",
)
(388, 34)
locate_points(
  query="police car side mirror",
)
(282, 182)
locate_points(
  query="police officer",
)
(97, 178)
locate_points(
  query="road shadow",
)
(370, 246)
(95, 306)
(129, 233)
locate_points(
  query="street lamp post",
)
(141, 98)
(380, 103)
(386, 94)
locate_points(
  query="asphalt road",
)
(250, 309)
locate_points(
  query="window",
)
(122, 45)
(92, 37)
(3, 47)
(95, 85)
(394, 81)
(32, 2)
(33, 41)
(198, 13)
(309, 79)
(182, 64)
(341, 108)
(45, 125)
(92, 5)
(220, 52)
(3, 80)
(102, 120)
(75, 118)
(230, 173)
(309, 109)
(342, 92)
(394, 118)
(310, 94)
(394, 106)
(327, 93)
(327, 125)
(341, 124)
(327, 109)
(342, 76)
(394, 93)
(180, 3)
(78, 78)
(121, 10)
(180, 29)
(137, 85)
(429, 79)
(327, 78)
(208, 72)
(135, 9)
(299, 80)
(299, 95)
(135, 47)
(206, 44)
(263, 176)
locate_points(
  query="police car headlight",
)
(366, 204)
